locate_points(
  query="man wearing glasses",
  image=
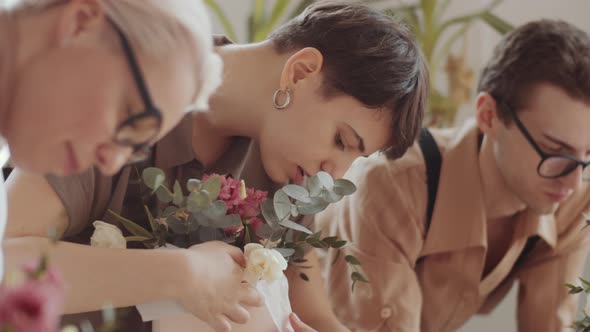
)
(444, 232)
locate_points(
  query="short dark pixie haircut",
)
(369, 56)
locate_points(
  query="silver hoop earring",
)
(278, 93)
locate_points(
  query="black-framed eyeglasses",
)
(139, 130)
(551, 166)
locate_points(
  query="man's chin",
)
(548, 208)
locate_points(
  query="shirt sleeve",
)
(384, 222)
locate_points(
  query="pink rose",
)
(230, 190)
(250, 207)
(34, 306)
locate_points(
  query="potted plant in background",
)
(436, 34)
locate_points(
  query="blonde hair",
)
(156, 28)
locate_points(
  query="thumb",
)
(237, 255)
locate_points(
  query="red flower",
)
(34, 306)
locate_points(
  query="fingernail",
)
(296, 317)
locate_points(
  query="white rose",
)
(587, 308)
(263, 263)
(69, 328)
(107, 236)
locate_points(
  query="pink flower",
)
(250, 207)
(34, 306)
(232, 195)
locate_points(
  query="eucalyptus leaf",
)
(314, 185)
(198, 201)
(213, 187)
(268, 212)
(326, 180)
(227, 221)
(153, 223)
(170, 210)
(137, 238)
(264, 231)
(131, 226)
(164, 195)
(344, 187)
(316, 243)
(286, 252)
(297, 192)
(352, 260)
(282, 204)
(178, 195)
(193, 185)
(317, 206)
(216, 210)
(330, 239)
(358, 277)
(574, 289)
(176, 225)
(202, 220)
(193, 223)
(338, 253)
(338, 244)
(277, 234)
(295, 226)
(210, 234)
(330, 196)
(293, 236)
(153, 177)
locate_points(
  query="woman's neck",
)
(251, 76)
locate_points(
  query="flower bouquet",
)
(218, 207)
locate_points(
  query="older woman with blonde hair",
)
(96, 82)
(337, 82)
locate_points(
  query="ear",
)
(79, 20)
(487, 114)
(303, 66)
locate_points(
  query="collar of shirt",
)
(459, 220)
